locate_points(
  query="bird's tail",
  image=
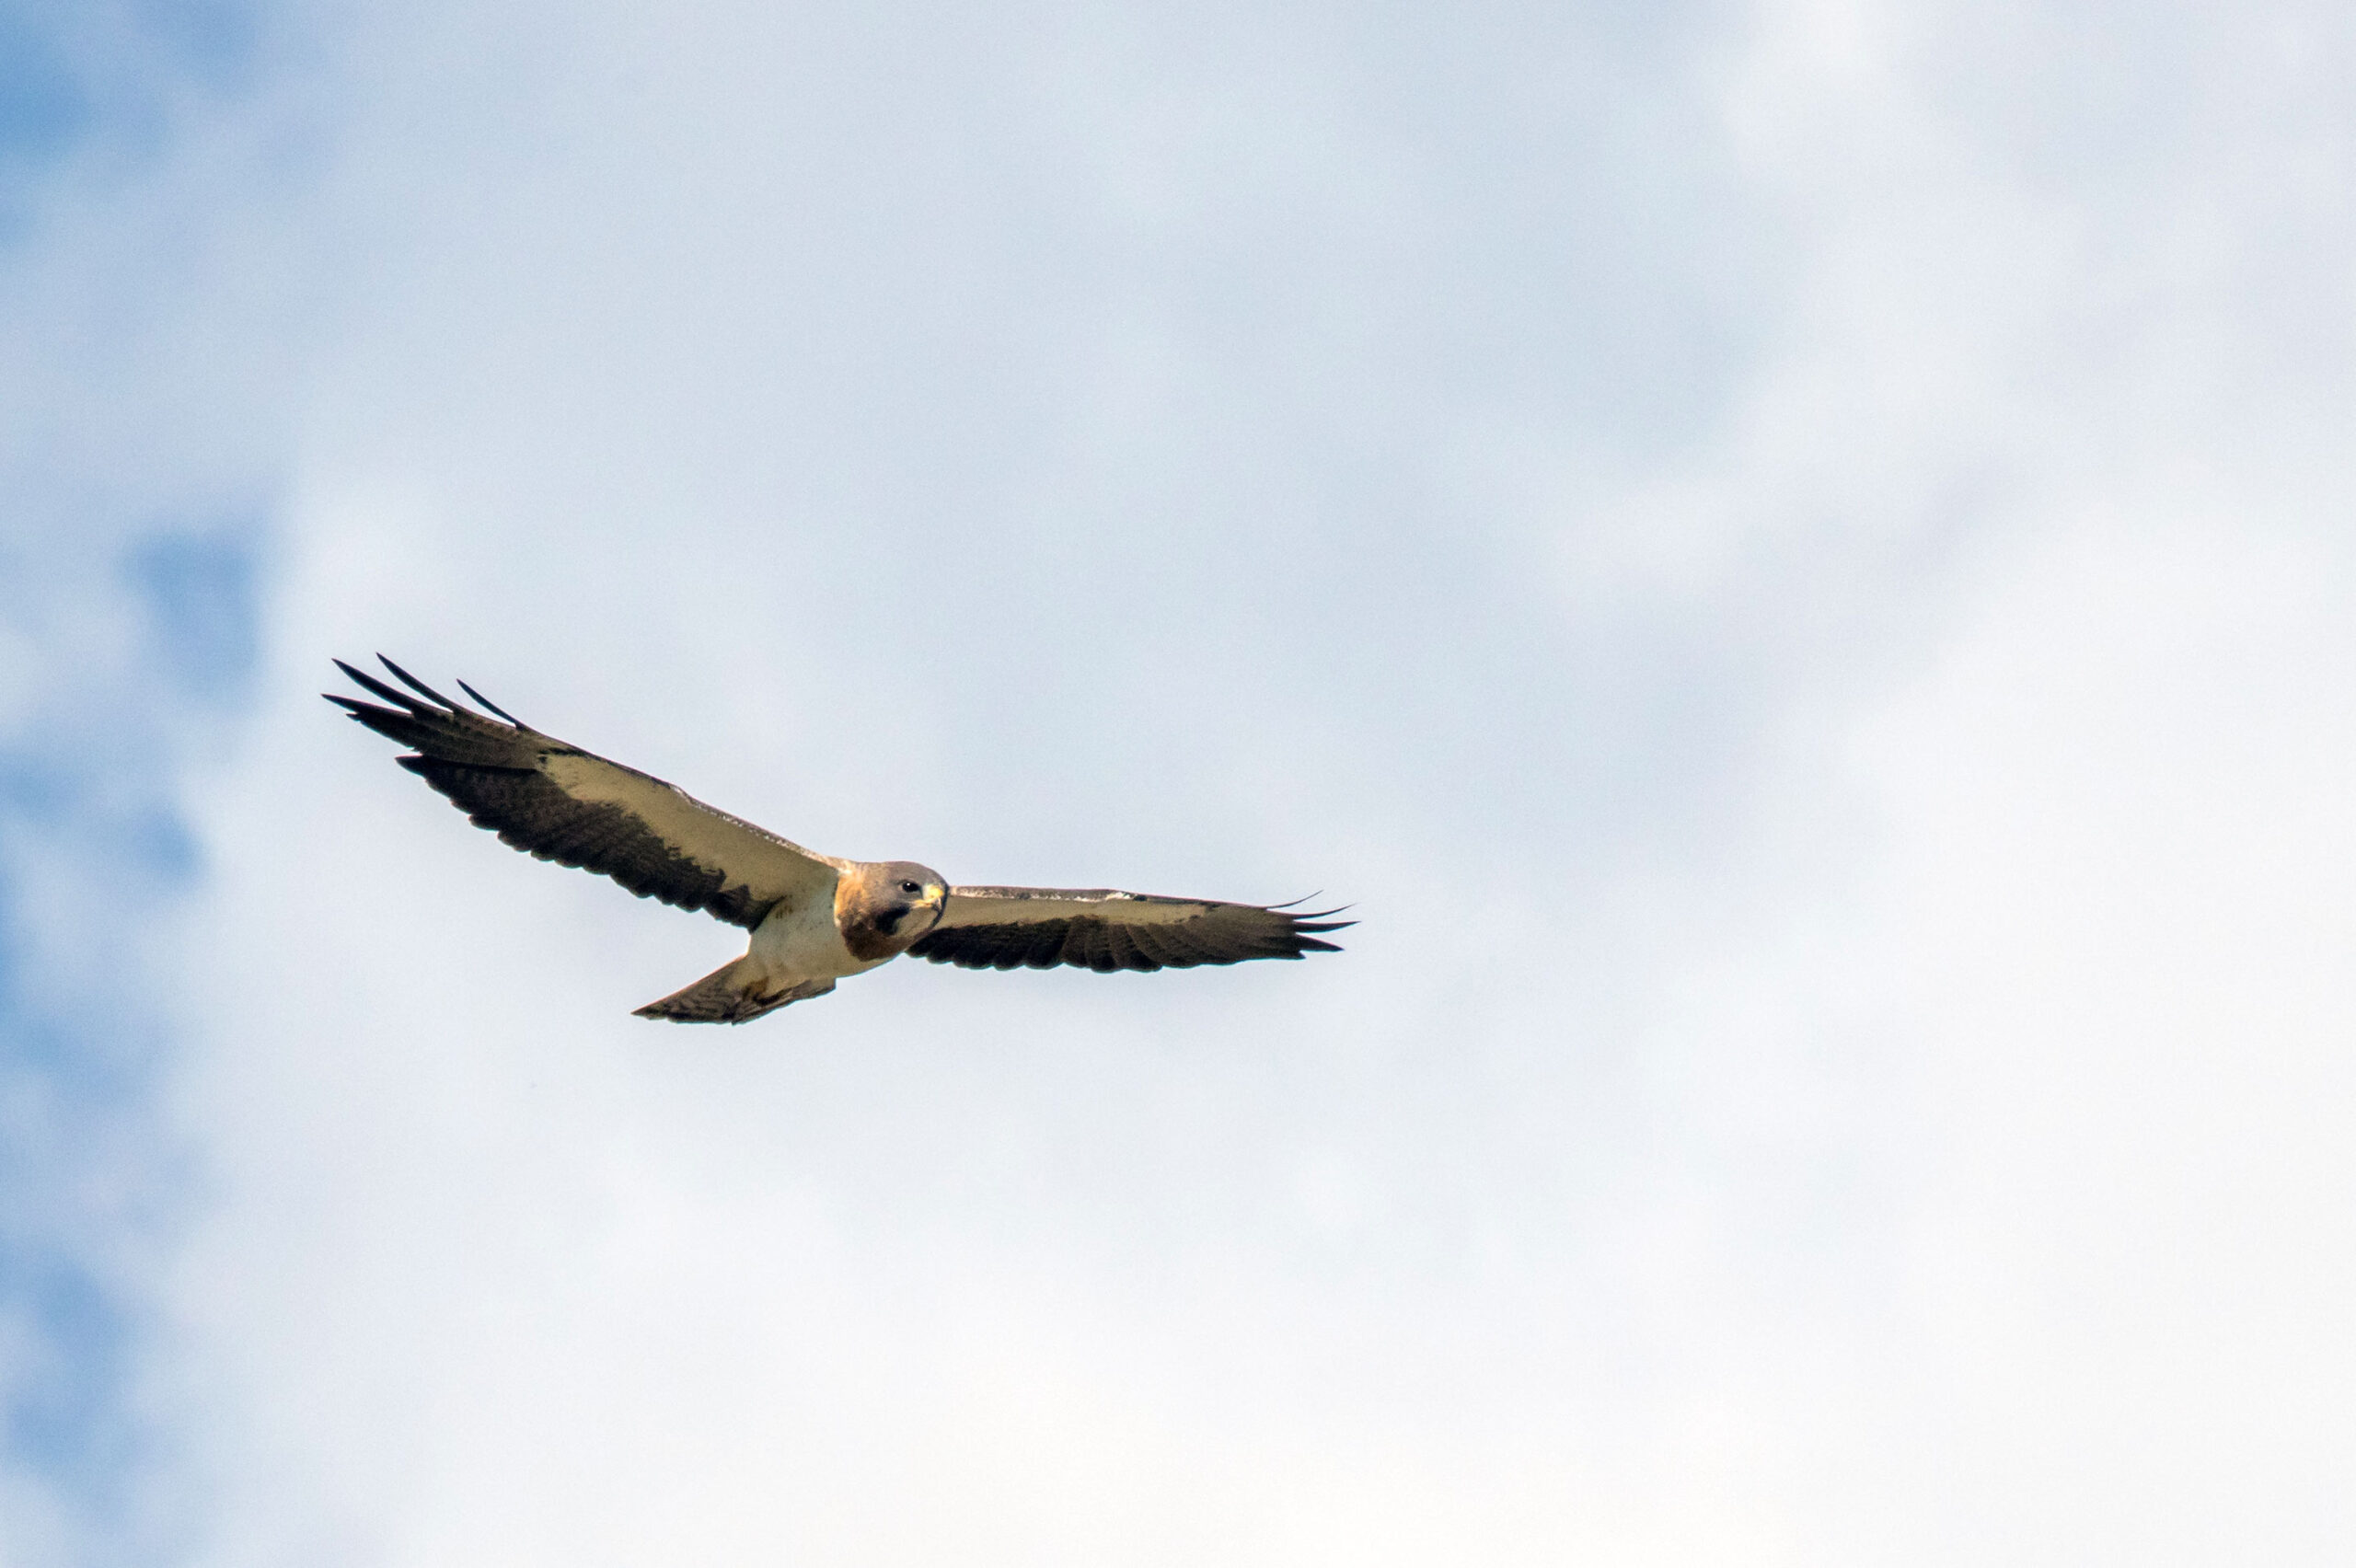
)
(734, 993)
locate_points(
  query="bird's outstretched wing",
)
(564, 805)
(1005, 928)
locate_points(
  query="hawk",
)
(813, 918)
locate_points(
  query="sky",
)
(1791, 561)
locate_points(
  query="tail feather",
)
(734, 993)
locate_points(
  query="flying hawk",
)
(814, 919)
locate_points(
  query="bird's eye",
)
(911, 887)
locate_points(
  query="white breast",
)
(801, 943)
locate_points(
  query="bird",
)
(815, 919)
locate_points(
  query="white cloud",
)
(1902, 753)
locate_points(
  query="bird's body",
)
(801, 946)
(813, 918)
(805, 942)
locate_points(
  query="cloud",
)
(130, 569)
(1785, 559)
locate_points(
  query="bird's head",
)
(886, 905)
(915, 897)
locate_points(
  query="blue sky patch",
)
(44, 105)
(199, 590)
(77, 76)
(88, 787)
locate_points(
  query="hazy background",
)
(1794, 562)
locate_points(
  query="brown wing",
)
(1006, 928)
(558, 802)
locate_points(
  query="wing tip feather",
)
(417, 685)
(490, 706)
